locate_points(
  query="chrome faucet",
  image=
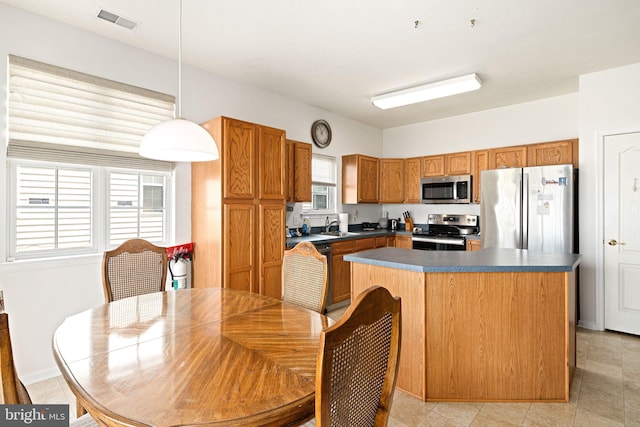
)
(328, 224)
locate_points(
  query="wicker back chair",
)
(358, 362)
(305, 277)
(13, 391)
(135, 267)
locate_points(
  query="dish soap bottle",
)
(305, 227)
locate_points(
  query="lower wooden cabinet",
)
(340, 270)
(238, 245)
(271, 247)
(403, 241)
(473, 245)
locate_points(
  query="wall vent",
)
(117, 19)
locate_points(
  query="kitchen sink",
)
(337, 233)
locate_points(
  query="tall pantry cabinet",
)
(238, 209)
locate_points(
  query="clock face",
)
(321, 133)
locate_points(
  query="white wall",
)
(609, 103)
(543, 120)
(39, 295)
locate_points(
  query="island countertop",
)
(485, 260)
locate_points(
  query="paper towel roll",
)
(344, 222)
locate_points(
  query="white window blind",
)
(53, 209)
(67, 116)
(323, 186)
(136, 207)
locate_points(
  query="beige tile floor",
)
(605, 392)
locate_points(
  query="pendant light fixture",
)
(179, 140)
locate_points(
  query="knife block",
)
(408, 224)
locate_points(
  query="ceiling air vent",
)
(117, 19)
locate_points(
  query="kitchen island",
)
(488, 325)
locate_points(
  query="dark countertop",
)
(485, 260)
(318, 239)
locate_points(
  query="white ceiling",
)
(336, 54)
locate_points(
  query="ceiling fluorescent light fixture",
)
(179, 140)
(427, 92)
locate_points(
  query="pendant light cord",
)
(179, 112)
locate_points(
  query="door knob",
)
(613, 242)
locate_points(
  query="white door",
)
(622, 232)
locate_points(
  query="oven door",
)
(429, 243)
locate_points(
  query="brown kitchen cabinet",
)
(340, 270)
(404, 241)
(473, 245)
(238, 206)
(365, 244)
(391, 181)
(553, 153)
(508, 157)
(359, 179)
(412, 174)
(480, 162)
(298, 171)
(458, 163)
(271, 248)
(381, 242)
(433, 166)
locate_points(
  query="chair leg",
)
(80, 411)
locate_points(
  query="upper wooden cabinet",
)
(412, 180)
(271, 163)
(458, 163)
(480, 162)
(508, 157)
(298, 171)
(553, 153)
(433, 166)
(359, 179)
(391, 181)
(238, 158)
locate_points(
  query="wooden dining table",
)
(204, 357)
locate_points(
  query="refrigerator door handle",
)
(525, 211)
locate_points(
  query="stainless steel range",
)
(445, 232)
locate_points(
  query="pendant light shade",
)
(179, 140)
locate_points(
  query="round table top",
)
(192, 357)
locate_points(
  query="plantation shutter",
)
(60, 115)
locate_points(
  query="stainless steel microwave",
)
(446, 189)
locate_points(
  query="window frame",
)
(305, 206)
(99, 209)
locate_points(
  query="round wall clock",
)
(321, 133)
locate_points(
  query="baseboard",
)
(36, 377)
(588, 325)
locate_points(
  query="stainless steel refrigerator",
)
(528, 208)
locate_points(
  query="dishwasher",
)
(325, 250)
